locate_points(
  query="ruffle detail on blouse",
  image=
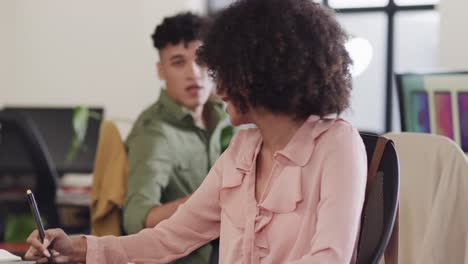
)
(286, 191)
(283, 197)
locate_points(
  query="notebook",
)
(7, 256)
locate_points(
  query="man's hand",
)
(163, 212)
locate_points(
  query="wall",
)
(7, 48)
(61, 52)
(453, 35)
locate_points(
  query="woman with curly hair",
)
(290, 190)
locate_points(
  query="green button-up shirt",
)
(169, 156)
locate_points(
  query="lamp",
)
(360, 51)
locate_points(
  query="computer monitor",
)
(55, 126)
(435, 102)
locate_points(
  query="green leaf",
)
(80, 122)
(80, 125)
(80, 119)
(18, 227)
(226, 135)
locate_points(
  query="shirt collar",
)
(249, 150)
(300, 147)
(173, 109)
(179, 113)
(298, 150)
(216, 112)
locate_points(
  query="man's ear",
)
(161, 73)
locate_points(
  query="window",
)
(416, 2)
(214, 5)
(356, 3)
(419, 29)
(414, 30)
(370, 85)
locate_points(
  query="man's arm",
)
(162, 212)
(150, 170)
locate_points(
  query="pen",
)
(37, 219)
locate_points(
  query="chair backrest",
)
(433, 199)
(381, 203)
(43, 167)
(109, 182)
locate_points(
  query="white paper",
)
(7, 256)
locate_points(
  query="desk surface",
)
(19, 262)
(15, 248)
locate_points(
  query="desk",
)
(18, 249)
(19, 262)
(15, 248)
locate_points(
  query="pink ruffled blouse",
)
(309, 212)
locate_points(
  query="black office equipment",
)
(55, 126)
(18, 134)
(435, 102)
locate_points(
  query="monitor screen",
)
(435, 102)
(55, 126)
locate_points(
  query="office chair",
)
(379, 216)
(43, 167)
(109, 187)
(433, 199)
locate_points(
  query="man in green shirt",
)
(176, 140)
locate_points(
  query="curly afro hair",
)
(285, 56)
(184, 27)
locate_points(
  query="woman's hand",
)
(63, 247)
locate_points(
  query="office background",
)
(66, 53)
(99, 52)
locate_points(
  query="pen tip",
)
(28, 192)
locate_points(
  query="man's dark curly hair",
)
(184, 27)
(285, 56)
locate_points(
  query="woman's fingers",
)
(42, 260)
(58, 259)
(35, 243)
(55, 253)
(51, 235)
(40, 249)
(32, 253)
